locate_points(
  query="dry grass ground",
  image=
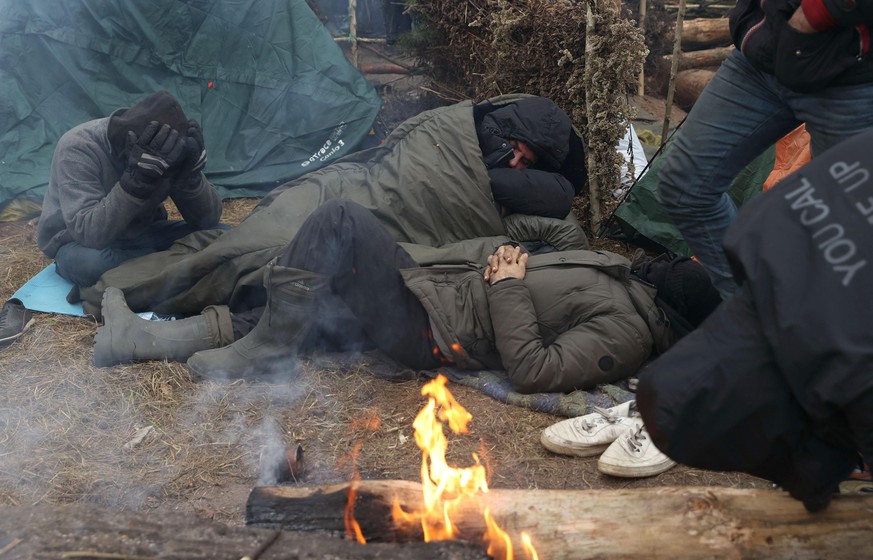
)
(64, 423)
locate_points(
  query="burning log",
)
(641, 523)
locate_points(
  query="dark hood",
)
(160, 106)
(539, 123)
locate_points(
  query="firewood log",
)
(704, 33)
(92, 531)
(383, 69)
(667, 522)
(689, 85)
(701, 59)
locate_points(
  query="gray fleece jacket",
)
(84, 202)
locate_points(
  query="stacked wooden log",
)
(705, 44)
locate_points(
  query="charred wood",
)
(641, 523)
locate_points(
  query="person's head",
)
(523, 155)
(160, 106)
(537, 129)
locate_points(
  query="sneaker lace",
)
(606, 415)
(636, 438)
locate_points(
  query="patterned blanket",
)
(494, 383)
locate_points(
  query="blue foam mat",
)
(47, 292)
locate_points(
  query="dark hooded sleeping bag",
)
(547, 187)
(427, 184)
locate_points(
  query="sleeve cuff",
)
(818, 15)
(502, 280)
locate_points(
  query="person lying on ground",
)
(778, 381)
(428, 184)
(556, 322)
(534, 157)
(109, 179)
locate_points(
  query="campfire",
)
(454, 507)
(445, 488)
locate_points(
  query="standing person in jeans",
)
(795, 62)
(109, 179)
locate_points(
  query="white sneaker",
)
(634, 455)
(589, 435)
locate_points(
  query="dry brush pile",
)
(587, 64)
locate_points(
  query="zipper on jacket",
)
(863, 40)
(752, 30)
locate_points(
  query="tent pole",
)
(674, 67)
(353, 31)
(593, 183)
(641, 87)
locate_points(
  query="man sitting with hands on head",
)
(109, 179)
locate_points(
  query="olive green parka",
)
(575, 320)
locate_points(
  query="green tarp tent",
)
(642, 221)
(274, 93)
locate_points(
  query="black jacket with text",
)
(805, 250)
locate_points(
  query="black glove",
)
(195, 160)
(150, 156)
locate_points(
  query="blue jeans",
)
(741, 113)
(83, 266)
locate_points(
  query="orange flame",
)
(443, 486)
(353, 528)
(499, 543)
(529, 549)
(369, 421)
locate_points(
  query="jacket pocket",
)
(808, 62)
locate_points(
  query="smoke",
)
(250, 414)
(63, 438)
(68, 431)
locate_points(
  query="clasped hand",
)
(506, 262)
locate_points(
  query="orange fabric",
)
(792, 153)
